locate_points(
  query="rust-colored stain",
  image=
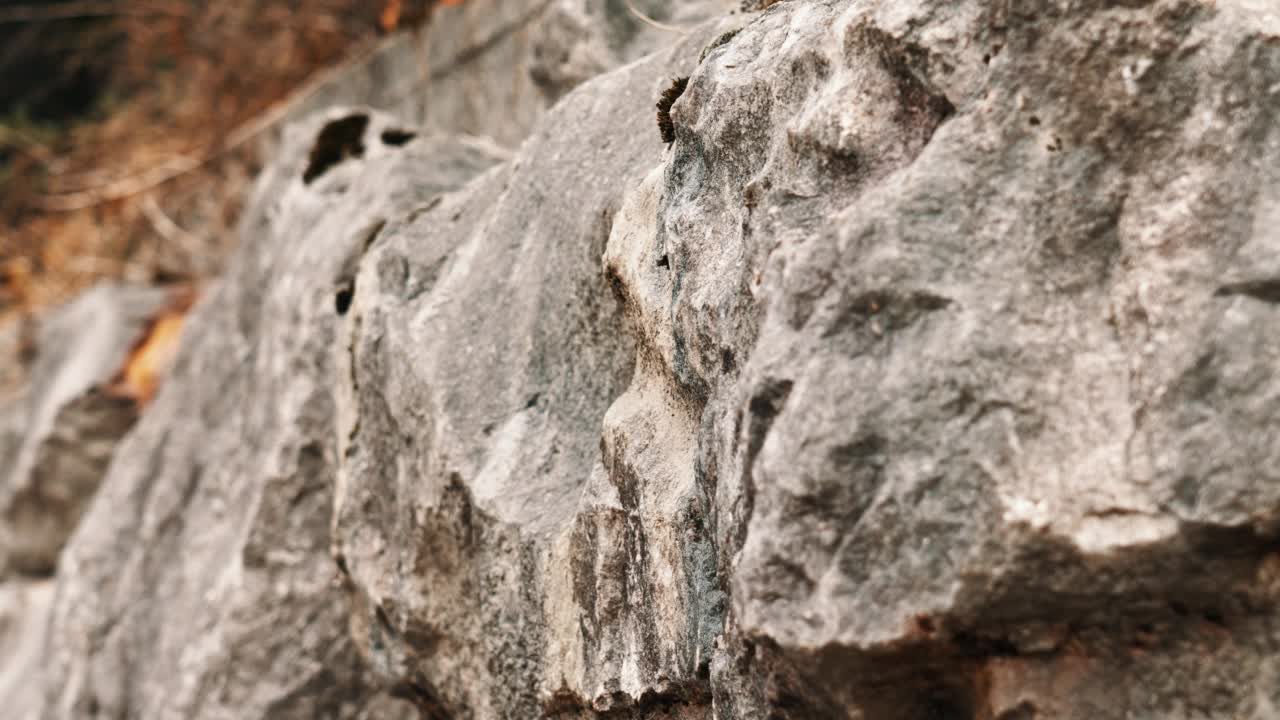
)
(390, 17)
(393, 13)
(153, 354)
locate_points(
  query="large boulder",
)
(25, 606)
(200, 582)
(1003, 445)
(949, 388)
(925, 374)
(491, 68)
(503, 560)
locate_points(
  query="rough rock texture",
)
(926, 375)
(200, 583)
(491, 68)
(59, 436)
(25, 607)
(498, 570)
(908, 304)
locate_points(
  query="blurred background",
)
(127, 128)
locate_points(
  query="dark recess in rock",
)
(667, 128)
(396, 137)
(338, 140)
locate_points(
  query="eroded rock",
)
(891, 391)
(200, 583)
(25, 605)
(926, 374)
(61, 431)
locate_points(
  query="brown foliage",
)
(187, 76)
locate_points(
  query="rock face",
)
(25, 605)
(206, 551)
(61, 438)
(927, 374)
(492, 67)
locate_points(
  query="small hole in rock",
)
(342, 300)
(986, 59)
(664, 262)
(1035, 121)
(397, 137)
(338, 140)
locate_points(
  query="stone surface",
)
(491, 68)
(1002, 447)
(498, 568)
(59, 434)
(24, 616)
(927, 374)
(200, 582)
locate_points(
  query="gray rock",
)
(1002, 447)
(500, 565)
(200, 583)
(24, 617)
(59, 434)
(491, 68)
(926, 374)
(893, 390)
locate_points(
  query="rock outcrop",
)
(61, 438)
(927, 373)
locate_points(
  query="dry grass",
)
(188, 75)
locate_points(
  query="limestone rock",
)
(62, 431)
(24, 615)
(200, 584)
(491, 68)
(500, 563)
(927, 374)
(930, 337)
(1002, 446)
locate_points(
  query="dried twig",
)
(182, 164)
(174, 233)
(650, 21)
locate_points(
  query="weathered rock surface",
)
(59, 436)
(24, 616)
(491, 68)
(200, 583)
(928, 373)
(497, 568)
